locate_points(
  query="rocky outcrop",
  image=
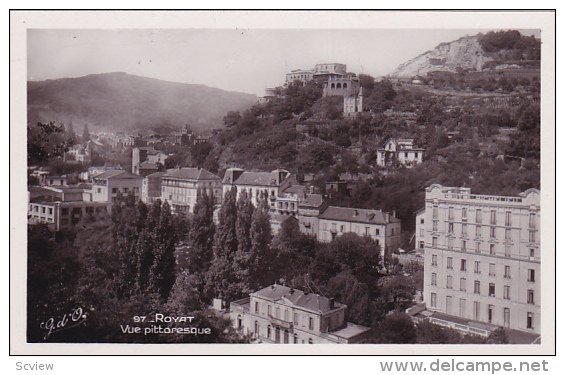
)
(464, 53)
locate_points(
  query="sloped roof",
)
(312, 200)
(190, 174)
(254, 178)
(358, 215)
(308, 301)
(115, 174)
(147, 165)
(295, 189)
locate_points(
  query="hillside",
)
(491, 51)
(128, 102)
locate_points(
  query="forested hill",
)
(128, 102)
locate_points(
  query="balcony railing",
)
(281, 323)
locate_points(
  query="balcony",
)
(281, 323)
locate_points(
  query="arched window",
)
(345, 85)
(339, 85)
(333, 85)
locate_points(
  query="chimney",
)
(387, 217)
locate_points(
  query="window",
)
(506, 292)
(492, 232)
(530, 321)
(506, 272)
(450, 228)
(257, 307)
(269, 313)
(342, 228)
(477, 266)
(434, 260)
(531, 275)
(268, 332)
(295, 318)
(463, 265)
(256, 328)
(464, 214)
(42, 210)
(448, 304)
(277, 312)
(433, 300)
(508, 220)
(532, 236)
(286, 315)
(507, 251)
(450, 213)
(491, 249)
(506, 317)
(532, 253)
(476, 310)
(532, 220)
(434, 212)
(463, 229)
(114, 190)
(477, 247)
(463, 245)
(377, 232)
(491, 290)
(406, 155)
(434, 241)
(531, 296)
(295, 339)
(449, 263)
(463, 284)
(450, 243)
(507, 234)
(462, 305)
(479, 216)
(449, 282)
(477, 287)
(490, 313)
(392, 231)
(311, 323)
(493, 217)
(492, 269)
(434, 279)
(434, 226)
(310, 341)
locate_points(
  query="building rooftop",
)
(308, 301)
(253, 178)
(190, 174)
(312, 200)
(147, 165)
(155, 174)
(350, 331)
(116, 173)
(358, 215)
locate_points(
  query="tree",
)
(498, 336)
(232, 118)
(243, 257)
(396, 328)
(201, 235)
(46, 141)
(260, 257)
(85, 134)
(220, 278)
(162, 272)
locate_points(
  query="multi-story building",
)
(400, 151)
(60, 215)
(107, 185)
(420, 232)
(380, 226)
(151, 187)
(325, 71)
(482, 259)
(258, 184)
(180, 187)
(279, 314)
(286, 205)
(353, 104)
(341, 86)
(304, 76)
(146, 160)
(309, 209)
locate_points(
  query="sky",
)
(244, 60)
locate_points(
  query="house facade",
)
(482, 258)
(280, 314)
(258, 184)
(107, 185)
(401, 151)
(151, 187)
(180, 188)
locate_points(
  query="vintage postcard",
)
(204, 180)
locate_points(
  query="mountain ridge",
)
(130, 102)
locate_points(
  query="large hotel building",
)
(482, 258)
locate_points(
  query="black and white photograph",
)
(335, 183)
